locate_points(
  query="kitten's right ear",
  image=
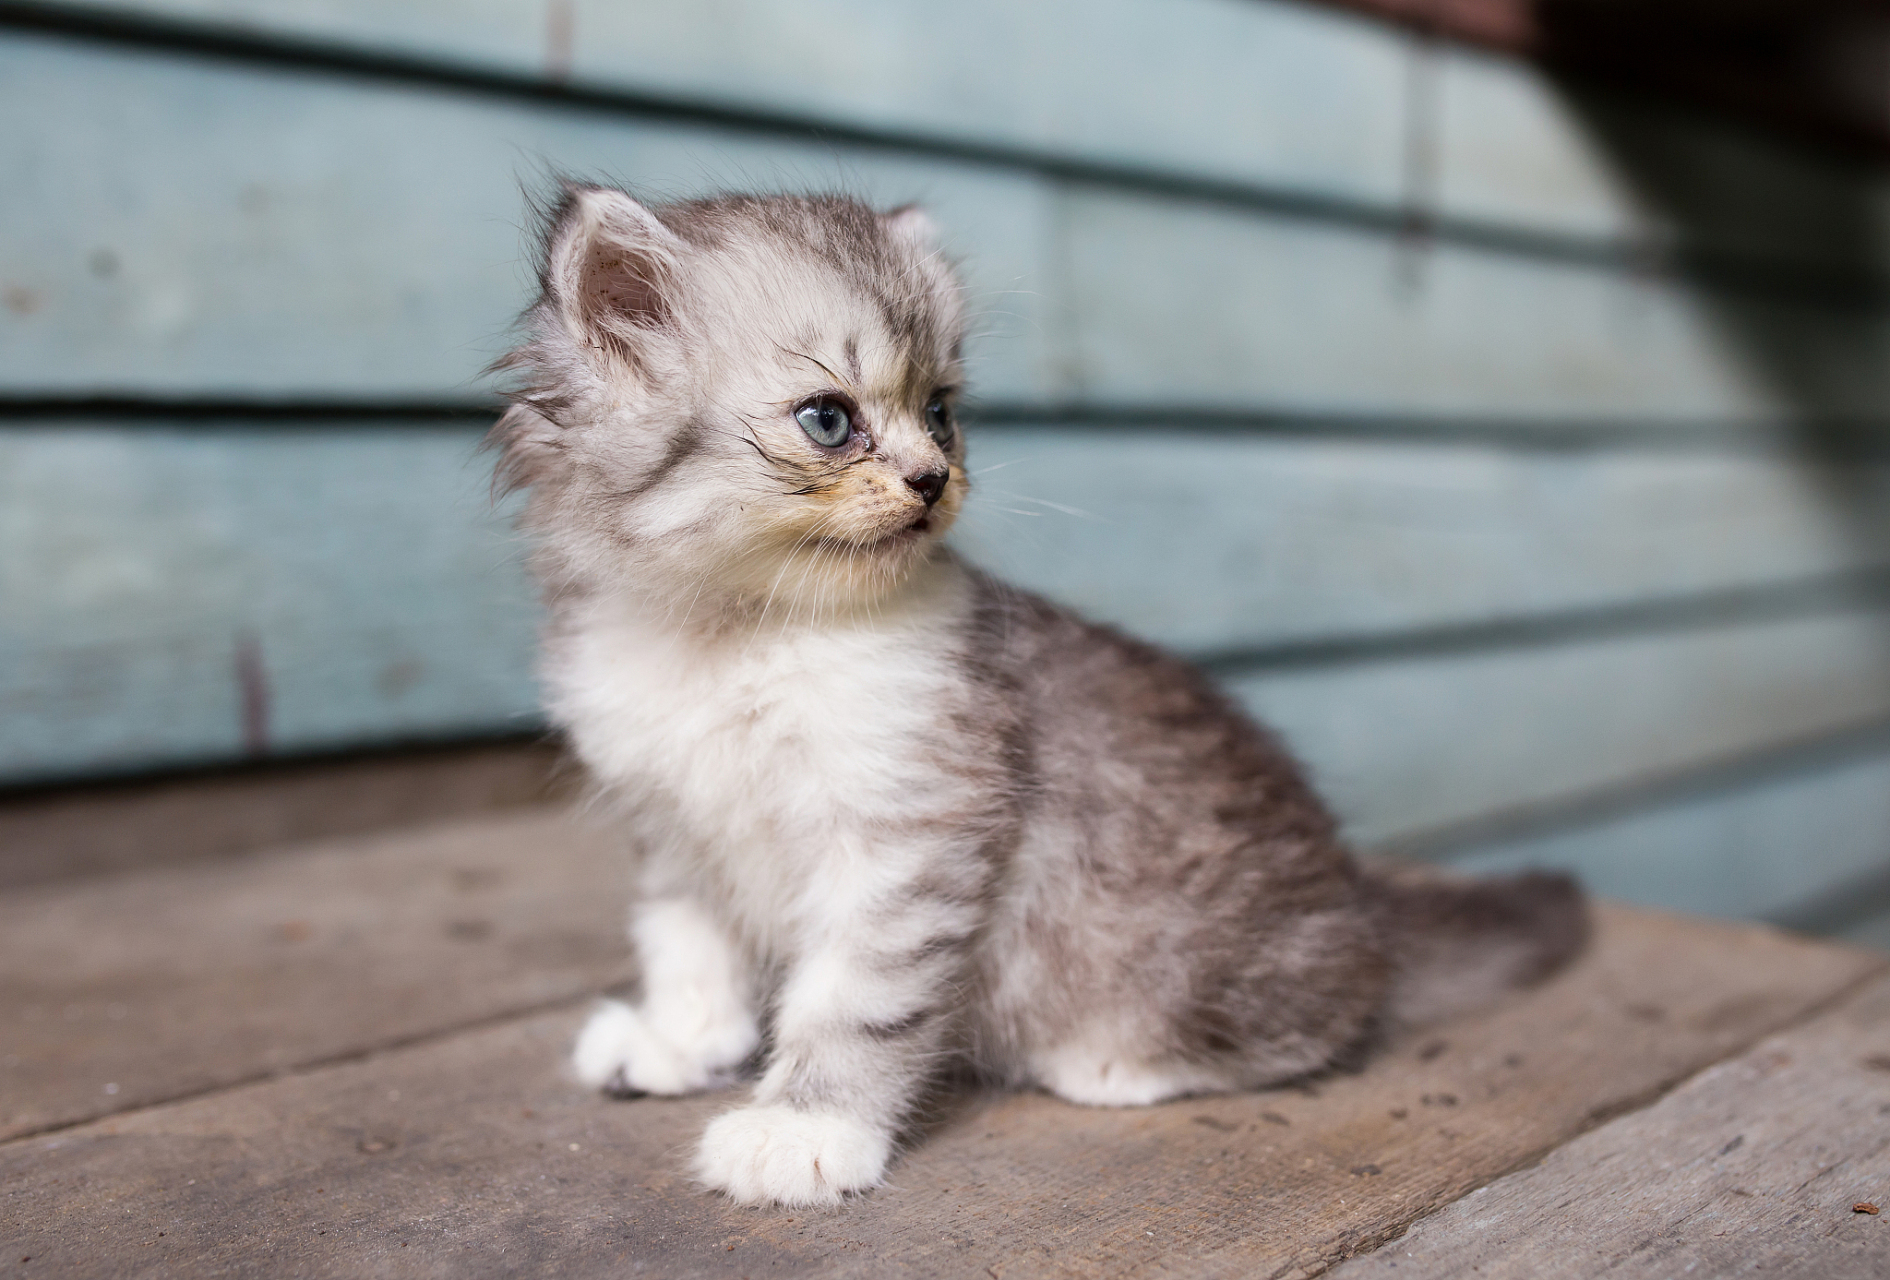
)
(611, 268)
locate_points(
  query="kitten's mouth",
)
(896, 540)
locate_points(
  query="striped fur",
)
(891, 817)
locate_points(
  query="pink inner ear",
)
(621, 285)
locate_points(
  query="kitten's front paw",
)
(775, 1154)
(619, 1053)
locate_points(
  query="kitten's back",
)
(1206, 877)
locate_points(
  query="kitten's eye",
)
(938, 421)
(826, 422)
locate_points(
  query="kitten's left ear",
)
(612, 269)
(913, 225)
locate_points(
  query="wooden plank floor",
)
(348, 1060)
(1754, 1165)
(134, 989)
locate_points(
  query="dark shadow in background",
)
(1773, 203)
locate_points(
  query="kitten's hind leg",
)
(694, 1025)
(1096, 1072)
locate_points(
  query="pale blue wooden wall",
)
(1517, 451)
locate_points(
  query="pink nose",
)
(929, 484)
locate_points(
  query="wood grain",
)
(92, 828)
(1407, 748)
(1302, 101)
(1232, 310)
(1113, 83)
(1752, 1166)
(189, 595)
(187, 228)
(128, 990)
(1218, 542)
(1750, 844)
(197, 229)
(148, 556)
(472, 1155)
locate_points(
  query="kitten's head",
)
(745, 400)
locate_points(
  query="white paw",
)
(775, 1154)
(620, 1052)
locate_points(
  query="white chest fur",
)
(757, 761)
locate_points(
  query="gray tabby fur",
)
(890, 816)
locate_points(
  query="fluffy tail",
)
(1457, 944)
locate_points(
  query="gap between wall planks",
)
(408, 965)
(107, 827)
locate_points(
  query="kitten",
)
(891, 815)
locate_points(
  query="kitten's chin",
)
(836, 567)
(899, 542)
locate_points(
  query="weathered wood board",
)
(198, 228)
(127, 990)
(202, 591)
(1181, 303)
(1408, 749)
(1751, 1167)
(473, 1155)
(1755, 844)
(193, 228)
(1304, 100)
(1119, 83)
(173, 596)
(91, 828)
(1211, 542)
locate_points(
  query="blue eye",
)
(826, 422)
(938, 422)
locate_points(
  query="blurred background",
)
(1495, 394)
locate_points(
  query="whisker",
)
(1059, 507)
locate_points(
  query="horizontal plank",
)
(436, 1157)
(199, 229)
(1300, 97)
(1177, 303)
(1754, 1166)
(203, 230)
(301, 955)
(1212, 542)
(175, 596)
(1752, 846)
(201, 592)
(1301, 101)
(1409, 749)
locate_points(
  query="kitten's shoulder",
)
(1090, 693)
(1037, 640)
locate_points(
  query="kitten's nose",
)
(929, 484)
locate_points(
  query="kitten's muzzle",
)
(929, 484)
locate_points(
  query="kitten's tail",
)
(1457, 944)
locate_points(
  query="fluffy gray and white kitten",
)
(893, 816)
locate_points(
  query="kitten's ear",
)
(913, 225)
(611, 269)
